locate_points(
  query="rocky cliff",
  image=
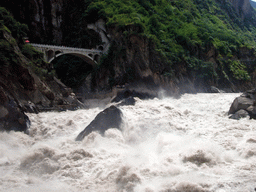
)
(243, 7)
(23, 87)
(253, 3)
(44, 18)
(48, 20)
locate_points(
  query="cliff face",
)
(48, 20)
(253, 3)
(21, 90)
(43, 17)
(243, 7)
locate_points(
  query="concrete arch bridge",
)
(91, 56)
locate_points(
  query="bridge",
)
(51, 52)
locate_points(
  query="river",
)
(166, 145)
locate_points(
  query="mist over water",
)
(166, 145)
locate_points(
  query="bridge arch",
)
(51, 52)
(87, 59)
(72, 70)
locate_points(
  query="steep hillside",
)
(185, 45)
(253, 3)
(202, 42)
(27, 83)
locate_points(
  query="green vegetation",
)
(8, 23)
(8, 55)
(183, 31)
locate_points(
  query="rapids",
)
(166, 145)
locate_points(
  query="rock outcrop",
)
(244, 105)
(109, 118)
(131, 93)
(240, 114)
(253, 3)
(243, 7)
(21, 90)
(11, 115)
(44, 18)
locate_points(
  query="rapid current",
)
(165, 145)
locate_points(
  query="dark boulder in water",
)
(127, 101)
(109, 118)
(12, 118)
(239, 103)
(128, 93)
(244, 105)
(240, 114)
(215, 90)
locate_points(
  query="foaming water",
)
(166, 145)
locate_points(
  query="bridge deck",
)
(73, 49)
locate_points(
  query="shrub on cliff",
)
(8, 55)
(17, 29)
(183, 29)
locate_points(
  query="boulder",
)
(30, 107)
(215, 90)
(252, 111)
(240, 114)
(109, 118)
(241, 102)
(127, 101)
(244, 105)
(3, 96)
(250, 94)
(12, 118)
(131, 93)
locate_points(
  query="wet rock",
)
(215, 90)
(49, 94)
(108, 118)
(24, 77)
(128, 93)
(13, 118)
(240, 114)
(240, 103)
(127, 101)
(252, 111)
(31, 108)
(3, 112)
(3, 96)
(245, 102)
(250, 94)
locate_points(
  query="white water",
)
(169, 145)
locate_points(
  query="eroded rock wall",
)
(243, 7)
(44, 18)
(21, 90)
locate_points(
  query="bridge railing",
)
(65, 48)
